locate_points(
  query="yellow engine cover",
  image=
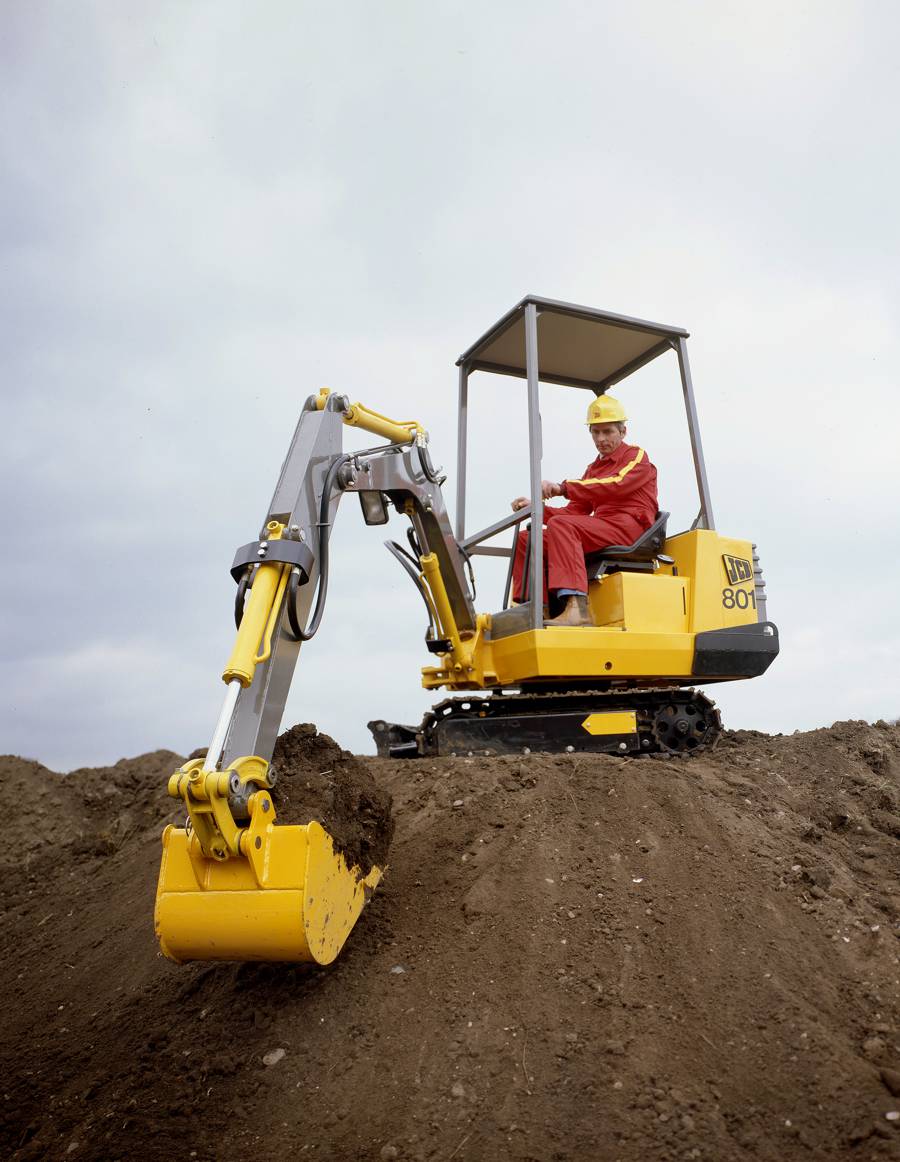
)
(296, 900)
(645, 624)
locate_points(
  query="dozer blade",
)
(291, 897)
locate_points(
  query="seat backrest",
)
(648, 546)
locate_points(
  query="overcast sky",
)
(210, 210)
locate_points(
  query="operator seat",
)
(634, 558)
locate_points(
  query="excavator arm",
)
(233, 885)
(293, 553)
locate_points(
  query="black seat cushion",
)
(648, 545)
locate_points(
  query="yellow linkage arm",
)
(358, 415)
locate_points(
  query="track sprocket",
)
(685, 724)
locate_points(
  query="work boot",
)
(575, 613)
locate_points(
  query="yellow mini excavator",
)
(669, 611)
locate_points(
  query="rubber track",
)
(646, 703)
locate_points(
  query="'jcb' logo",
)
(737, 569)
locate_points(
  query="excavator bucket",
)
(289, 895)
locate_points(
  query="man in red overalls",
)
(612, 504)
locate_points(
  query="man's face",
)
(606, 437)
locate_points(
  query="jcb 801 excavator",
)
(669, 611)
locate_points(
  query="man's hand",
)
(548, 491)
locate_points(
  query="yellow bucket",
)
(290, 897)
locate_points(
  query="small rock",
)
(273, 1056)
(819, 875)
(388, 1152)
(873, 1048)
(458, 1090)
(891, 1079)
(891, 1115)
(397, 969)
(458, 802)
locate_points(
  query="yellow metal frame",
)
(205, 795)
(644, 625)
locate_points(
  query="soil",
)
(315, 779)
(571, 957)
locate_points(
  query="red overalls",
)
(612, 504)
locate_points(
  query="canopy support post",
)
(535, 452)
(705, 518)
(461, 438)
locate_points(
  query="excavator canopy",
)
(554, 342)
(578, 346)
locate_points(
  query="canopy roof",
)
(577, 345)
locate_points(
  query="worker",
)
(612, 504)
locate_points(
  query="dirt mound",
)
(572, 957)
(317, 780)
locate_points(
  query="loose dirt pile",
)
(571, 957)
(317, 780)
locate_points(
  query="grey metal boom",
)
(400, 472)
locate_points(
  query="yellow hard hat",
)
(606, 410)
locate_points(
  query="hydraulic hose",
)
(413, 568)
(427, 467)
(301, 634)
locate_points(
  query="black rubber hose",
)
(239, 598)
(412, 567)
(427, 469)
(414, 544)
(300, 634)
(467, 558)
(296, 628)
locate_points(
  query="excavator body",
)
(668, 612)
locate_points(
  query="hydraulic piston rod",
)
(220, 734)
